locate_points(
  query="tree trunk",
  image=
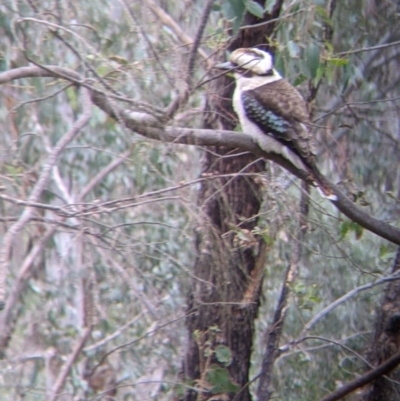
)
(224, 297)
(386, 342)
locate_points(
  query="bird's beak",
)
(225, 66)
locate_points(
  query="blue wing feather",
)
(270, 122)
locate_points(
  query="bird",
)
(273, 112)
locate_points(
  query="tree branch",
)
(6, 317)
(368, 377)
(167, 20)
(343, 299)
(197, 39)
(274, 332)
(148, 126)
(62, 377)
(201, 137)
(37, 190)
(367, 49)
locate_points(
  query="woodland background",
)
(103, 227)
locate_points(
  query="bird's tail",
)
(322, 184)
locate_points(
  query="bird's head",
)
(249, 62)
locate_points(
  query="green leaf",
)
(118, 59)
(312, 58)
(219, 378)
(320, 73)
(338, 62)
(214, 329)
(350, 226)
(223, 354)
(324, 15)
(344, 229)
(234, 10)
(280, 63)
(268, 6)
(329, 47)
(197, 334)
(358, 230)
(207, 352)
(294, 49)
(383, 250)
(72, 97)
(254, 8)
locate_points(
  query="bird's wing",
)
(279, 110)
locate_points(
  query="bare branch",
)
(113, 335)
(68, 364)
(102, 174)
(6, 316)
(274, 333)
(367, 49)
(271, 21)
(368, 377)
(155, 54)
(168, 21)
(54, 27)
(37, 190)
(345, 298)
(199, 35)
(186, 86)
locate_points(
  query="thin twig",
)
(343, 299)
(41, 99)
(274, 333)
(367, 49)
(37, 190)
(62, 377)
(6, 316)
(150, 332)
(271, 21)
(186, 87)
(102, 174)
(197, 39)
(167, 20)
(146, 38)
(113, 335)
(54, 27)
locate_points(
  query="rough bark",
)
(224, 298)
(386, 342)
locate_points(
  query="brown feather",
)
(284, 100)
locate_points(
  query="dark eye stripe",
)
(254, 53)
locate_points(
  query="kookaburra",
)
(272, 111)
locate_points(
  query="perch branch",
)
(148, 126)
